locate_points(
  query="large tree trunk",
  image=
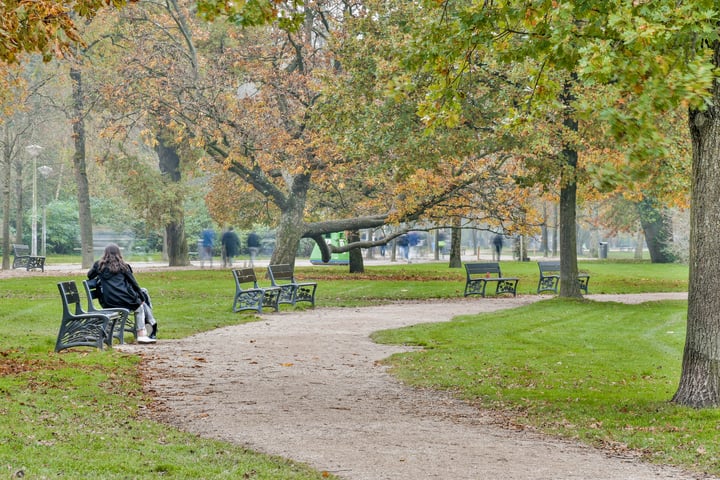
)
(176, 240)
(700, 378)
(657, 226)
(81, 180)
(292, 227)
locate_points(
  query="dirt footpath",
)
(307, 386)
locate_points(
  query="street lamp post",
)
(34, 151)
(45, 171)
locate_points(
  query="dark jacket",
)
(117, 289)
(253, 240)
(231, 242)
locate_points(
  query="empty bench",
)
(480, 274)
(291, 291)
(23, 259)
(252, 296)
(550, 277)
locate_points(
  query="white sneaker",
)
(145, 339)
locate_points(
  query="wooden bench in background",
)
(253, 297)
(23, 259)
(291, 291)
(480, 274)
(550, 277)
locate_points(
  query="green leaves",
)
(250, 13)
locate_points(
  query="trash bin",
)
(603, 249)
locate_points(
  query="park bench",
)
(550, 277)
(119, 315)
(253, 297)
(480, 274)
(79, 328)
(291, 291)
(23, 259)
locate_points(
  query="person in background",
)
(253, 243)
(404, 246)
(208, 242)
(120, 289)
(230, 246)
(497, 242)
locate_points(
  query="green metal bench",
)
(282, 276)
(253, 297)
(79, 328)
(550, 277)
(478, 275)
(23, 259)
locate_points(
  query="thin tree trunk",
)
(7, 179)
(456, 244)
(81, 180)
(569, 286)
(19, 201)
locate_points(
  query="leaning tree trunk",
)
(657, 226)
(700, 377)
(81, 179)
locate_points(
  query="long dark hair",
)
(112, 260)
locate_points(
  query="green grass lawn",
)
(601, 373)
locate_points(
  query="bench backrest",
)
(70, 297)
(482, 269)
(21, 250)
(244, 275)
(547, 267)
(281, 272)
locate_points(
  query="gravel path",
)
(307, 386)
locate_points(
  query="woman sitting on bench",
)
(119, 289)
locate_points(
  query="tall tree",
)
(651, 57)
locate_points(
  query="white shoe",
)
(145, 339)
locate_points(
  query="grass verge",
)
(599, 372)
